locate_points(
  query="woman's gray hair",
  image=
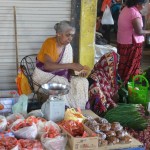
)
(63, 26)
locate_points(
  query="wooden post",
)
(75, 19)
(16, 42)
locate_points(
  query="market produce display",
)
(142, 136)
(128, 115)
(52, 133)
(134, 118)
(75, 128)
(26, 144)
(108, 133)
(21, 125)
(8, 143)
(12, 118)
(29, 132)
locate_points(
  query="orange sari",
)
(48, 48)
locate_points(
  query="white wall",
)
(34, 20)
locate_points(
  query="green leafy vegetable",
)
(129, 115)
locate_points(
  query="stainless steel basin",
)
(55, 89)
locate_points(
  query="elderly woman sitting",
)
(54, 60)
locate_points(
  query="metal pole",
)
(16, 42)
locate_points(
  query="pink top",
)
(125, 28)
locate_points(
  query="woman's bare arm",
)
(138, 28)
(51, 66)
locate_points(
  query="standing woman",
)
(54, 61)
(130, 38)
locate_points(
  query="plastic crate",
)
(8, 98)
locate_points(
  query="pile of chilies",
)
(8, 143)
(75, 128)
(19, 133)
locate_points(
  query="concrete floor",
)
(145, 62)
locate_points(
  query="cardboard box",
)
(8, 98)
(135, 144)
(77, 143)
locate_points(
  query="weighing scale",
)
(54, 108)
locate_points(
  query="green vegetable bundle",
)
(129, 115)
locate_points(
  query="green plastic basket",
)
(138, 90)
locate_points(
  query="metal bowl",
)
(55, 89)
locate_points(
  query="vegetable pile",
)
(26, 144)
(21, 125)
(52, 132)
(142, 136)
(129, 115)
(8, 143)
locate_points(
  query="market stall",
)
(46, 134)
(65, 129)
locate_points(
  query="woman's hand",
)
(76, 66)
(83, 73)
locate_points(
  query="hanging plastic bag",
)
(21, 105)
(22, 83)
(107, 18)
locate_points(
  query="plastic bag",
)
(3, 123)
(12, 118)
(138, 90)
(107, 17)
(36, 113)
(25, 144)
(51, 136)
(28, 132)
(8, 143)
(21, 105)
(100, 50)
(72, 114)
(43, 127)
(58, 143)
(22, 83)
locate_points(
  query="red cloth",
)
(104, 4)
(104, 85)
(130, 57)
